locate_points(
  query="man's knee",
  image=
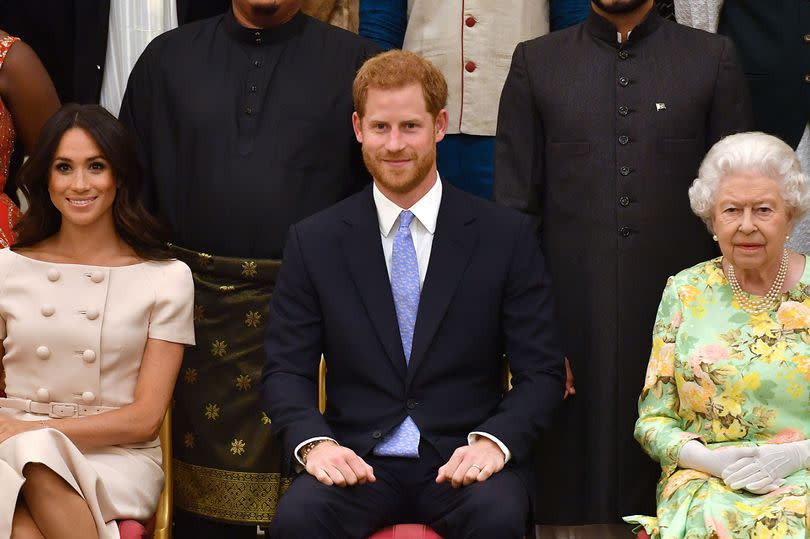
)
(495, 513)
(303, 513)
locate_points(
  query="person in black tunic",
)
(601, 130)
(243, 122)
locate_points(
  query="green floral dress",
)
(725, 377)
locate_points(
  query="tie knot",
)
(405, 219)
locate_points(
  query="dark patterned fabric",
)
(227, 464)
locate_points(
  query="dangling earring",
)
(714, 237)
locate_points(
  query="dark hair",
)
(136, 226)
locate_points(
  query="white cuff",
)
(297, 451)
(473, 436)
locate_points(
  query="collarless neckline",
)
(262, 37)
(76, 264)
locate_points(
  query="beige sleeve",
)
(172, 317)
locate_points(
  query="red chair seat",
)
(406, 531)
(132, 529)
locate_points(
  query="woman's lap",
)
(694, 505)
(116, 483)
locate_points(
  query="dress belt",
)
(53, 409)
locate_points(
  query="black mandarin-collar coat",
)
(600, 141)
(243, 132)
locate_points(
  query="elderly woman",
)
(725, 404)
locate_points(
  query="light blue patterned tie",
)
(403, 441)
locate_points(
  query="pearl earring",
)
(714, 237)
(787, 238)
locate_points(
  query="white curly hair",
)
(745, 154)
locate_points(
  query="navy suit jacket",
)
(486, 294)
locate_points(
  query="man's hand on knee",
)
(471, 463)
(332, 464)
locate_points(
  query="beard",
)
(399, 181)
(264, 9)
(619, 6)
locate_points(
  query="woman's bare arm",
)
(28, 92)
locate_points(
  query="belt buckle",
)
(63, 409)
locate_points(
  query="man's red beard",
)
(399, 181)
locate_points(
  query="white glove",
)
(696, 456)
(767, 470)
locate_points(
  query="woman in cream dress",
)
(94, 317)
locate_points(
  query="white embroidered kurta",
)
(472, 42)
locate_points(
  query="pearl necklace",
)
(765, 302)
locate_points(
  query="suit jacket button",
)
(624, 55)
(376, 435)
(624, 231)
(624, 171)
(411, 404)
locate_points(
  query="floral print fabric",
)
(726, 377)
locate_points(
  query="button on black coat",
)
(558, 157)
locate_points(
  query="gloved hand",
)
(767, 470)
(696, 456)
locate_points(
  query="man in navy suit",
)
(413, 291)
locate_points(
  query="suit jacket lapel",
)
(364, 256)
(453, 244)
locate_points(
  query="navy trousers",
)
(405, 492)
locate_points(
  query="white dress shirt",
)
(423, 227)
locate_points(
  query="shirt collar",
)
(426, 209)
(260, 37)
(603, 29)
